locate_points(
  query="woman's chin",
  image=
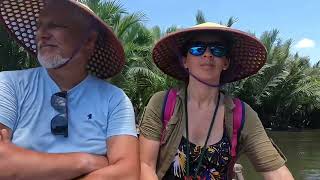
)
(208, 79)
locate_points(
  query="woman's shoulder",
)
(156, 101)
(229, 100)
(157, 98)
(158, 95)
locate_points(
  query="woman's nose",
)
(207, 53)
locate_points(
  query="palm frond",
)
(200, 18)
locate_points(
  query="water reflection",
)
(302, 150)
(310, 174)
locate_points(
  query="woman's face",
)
(209, 64)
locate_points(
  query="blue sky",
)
(295, 19)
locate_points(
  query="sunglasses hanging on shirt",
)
(59, 123)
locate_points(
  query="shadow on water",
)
(302, 150)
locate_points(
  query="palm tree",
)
(115, 15)
(232, 20)
(267, 92)
(128, 28)
(286, 90)
(200, 18)
(141, 78)
(12, 56)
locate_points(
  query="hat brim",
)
(20, 20)
(247, 53)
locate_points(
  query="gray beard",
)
(51, 62)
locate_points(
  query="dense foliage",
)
(285, 92)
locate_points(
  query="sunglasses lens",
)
(197, 50)
(59, 125)
(59, 102)
(218, 51)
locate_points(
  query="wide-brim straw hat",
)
(247, 54)
(20, 19)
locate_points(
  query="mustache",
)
(42, 45)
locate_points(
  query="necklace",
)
(203, 149)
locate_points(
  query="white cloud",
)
(305, 43)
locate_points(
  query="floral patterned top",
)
(214, 164)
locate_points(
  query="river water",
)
(302, 150)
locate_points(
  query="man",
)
(58, 121)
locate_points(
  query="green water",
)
(302, 150)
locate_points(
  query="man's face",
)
(60, 33)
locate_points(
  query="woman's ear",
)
(226, 64)
(184, 61)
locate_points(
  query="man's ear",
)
(91, 41)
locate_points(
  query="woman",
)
(196, 143)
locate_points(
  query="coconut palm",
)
(141, 78)
(200, 18)
(115, 15)
(286, 90)
(12, 56)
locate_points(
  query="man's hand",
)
(95, 162)
(17, 162)
(123, 155)
(4, 136)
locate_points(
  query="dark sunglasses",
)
(59, 123)
(216, 49)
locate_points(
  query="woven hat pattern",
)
(247, 54)
(20, 19)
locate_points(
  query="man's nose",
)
(42, 33)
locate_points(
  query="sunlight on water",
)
(310, 174)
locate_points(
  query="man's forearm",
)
(124, 161)
(122, 170)
(19, 163)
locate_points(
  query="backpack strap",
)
(167, 110)
(238, 122)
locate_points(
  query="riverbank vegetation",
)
(285, 92)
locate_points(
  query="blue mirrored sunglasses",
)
(199, 48)
(59, 123)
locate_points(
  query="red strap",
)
(169, 108)
(237, 117)
(237, 123)
(170, 102)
